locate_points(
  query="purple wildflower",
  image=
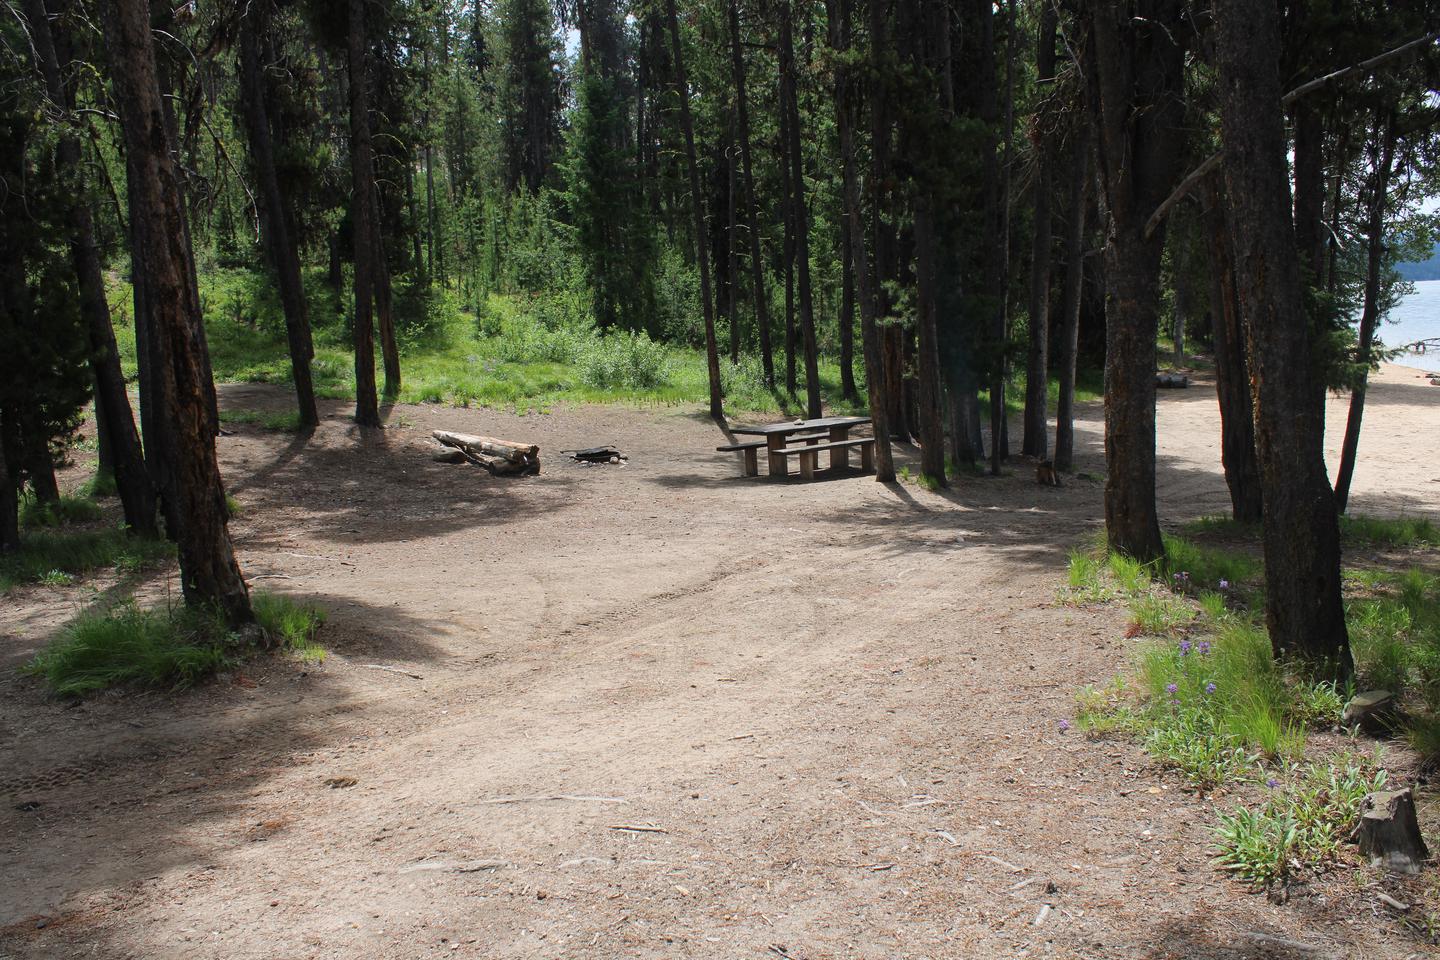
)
(1184, 648)
(1210, 688)
(1204, 647)
(1171, 688)
(1224, 584)
(1272, 783)
(1064, 725)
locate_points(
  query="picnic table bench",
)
(803, 439)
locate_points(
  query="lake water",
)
(1417, 317)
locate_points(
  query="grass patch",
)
(64, 511)
(172, 649)
(102, 484)
(281, 422)
(1396, 532)
(44, 555)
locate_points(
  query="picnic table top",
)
(791, 426)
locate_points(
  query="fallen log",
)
(497, 456)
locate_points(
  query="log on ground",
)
(497, 456)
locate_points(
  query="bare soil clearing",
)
(651, 710)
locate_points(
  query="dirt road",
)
(646, 711)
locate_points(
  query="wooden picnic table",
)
(777, 435)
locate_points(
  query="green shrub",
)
(624, 361)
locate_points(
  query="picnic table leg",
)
(774, 443)
(867, 457)
(808, 463)
(839, 456)
(752, 462)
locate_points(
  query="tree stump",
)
(1389, 834)
(1373, 711)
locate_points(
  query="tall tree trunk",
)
(757, 262)
(274, 214)
(9, 492)
(153, 398)
(1035, 441)
(799, 216)
(999, 428)
(1136, 70)
(385, 307)
(1232, 369)
(412, 203)
(847, 317)
(732, 253)
(120, 448)
(847, 107)
(1382, 164)
(787, 246)
(1077, 205)
(1303, 609)
(210, 576)
(697, 204)
(362, 223)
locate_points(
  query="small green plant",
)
(58, 513)
(233, 507)
(1300, 825)
(1105, 712)
(1160, 614)
(1087, 581)
(1131, 576)
(57, 578)
(290, 625)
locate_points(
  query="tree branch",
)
(1309, 86)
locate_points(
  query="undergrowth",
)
(57, 556)
(1206, 697)
(174, 648)
(58, 513)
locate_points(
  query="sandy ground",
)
(831, 708)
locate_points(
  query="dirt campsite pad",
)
(647, 710)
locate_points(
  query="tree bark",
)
(847, 318)
(121, 454)
(1077, 205)
(1035, 440)
(1232, 368)
(9, 492)
(1370, 312)
(799, 216)
(1136, 69)
(682, 86)
(757, 262)
(362, 225)
(275, 220)
(1301, 535)
(845, 111)
(210, 577)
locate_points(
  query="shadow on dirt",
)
(80, 814)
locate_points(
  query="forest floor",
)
(832, 708)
